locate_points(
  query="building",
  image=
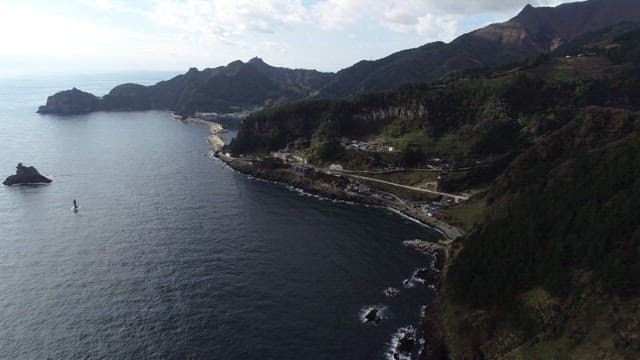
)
(284, 156)
(300, 160)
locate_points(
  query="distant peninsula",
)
(233, 88)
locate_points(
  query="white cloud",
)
(227, 20)
(502, 6)
(408, 16)
(114, 35)
(108, 5)
(58, 42)
(430, 18)
(223, 19)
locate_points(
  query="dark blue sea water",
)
(174, 256)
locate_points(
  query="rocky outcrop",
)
(70, 102)
(372, 316)
(403, 344)
(26, 175)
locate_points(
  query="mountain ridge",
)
(234, 87)
(255, 84)
(533, 31)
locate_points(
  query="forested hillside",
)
(558, 139)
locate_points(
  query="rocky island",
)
(26, 175)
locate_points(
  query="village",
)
(422, 201)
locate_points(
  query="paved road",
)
(453, 196)
(387, 171)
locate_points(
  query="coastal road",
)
(453, 196)
(388, 171)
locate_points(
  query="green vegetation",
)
(467, 215)
(555, 145)
(577, 198)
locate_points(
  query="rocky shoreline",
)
(214, 139)
(430, 331)
(325, 186)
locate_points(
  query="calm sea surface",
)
(174, 256)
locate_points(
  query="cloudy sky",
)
(115, 35)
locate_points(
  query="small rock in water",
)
(403, 343)
(408, 283)
(406, 343)
(373, 315)
(428, 276)
(26, 175)
(391, 292)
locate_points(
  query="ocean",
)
(172, 255)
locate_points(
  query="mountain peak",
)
(235, 63)
(257, 61)
(527, 12)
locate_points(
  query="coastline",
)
(246, 167)
(431, 330)
(214, 140)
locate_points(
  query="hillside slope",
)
(551, 268)
(533, 31)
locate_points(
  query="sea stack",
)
(26, 175)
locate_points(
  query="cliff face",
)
(70, 102)
(533, 31)
(230, 88)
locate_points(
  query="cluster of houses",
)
(438, 164)
(581, 55)
(299, 163)
(432, 208)
(367, 146)
(289, 158)
(214, 116)
(357, 188)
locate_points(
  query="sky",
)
(102, 36)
